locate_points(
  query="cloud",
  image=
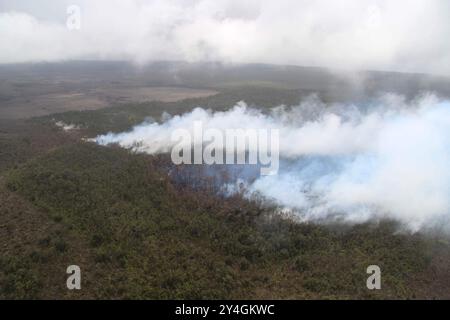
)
(354, 34)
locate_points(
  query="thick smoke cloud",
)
(356, 34)
(386, 159)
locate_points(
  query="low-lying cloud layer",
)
(362, 34)
(388, 159)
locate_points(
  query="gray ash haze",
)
(349, 163)
(407, 36)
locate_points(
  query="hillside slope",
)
(137, 234)
(134, 235)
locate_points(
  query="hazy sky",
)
(411, 35)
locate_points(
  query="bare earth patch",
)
(40, 105)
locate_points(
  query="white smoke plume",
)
(385, 159)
